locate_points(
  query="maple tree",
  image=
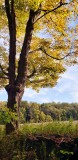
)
(39, 41)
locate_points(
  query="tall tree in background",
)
(36, 61)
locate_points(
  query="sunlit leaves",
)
(34, 5)
(7, 116)
(52, 32)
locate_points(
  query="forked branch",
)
(52, 10)
(5, 73)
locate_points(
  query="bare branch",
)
(47, 12)
(32, 74)
(61, 2)
(3, 70)
(53, 21)
(44, 51)
(11, 17)
(4, 77)
(34, 50)
(38, 81)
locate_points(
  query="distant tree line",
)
(35, 113)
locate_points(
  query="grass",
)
(49, 128)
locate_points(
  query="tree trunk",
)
(14, 100)
(15, 88)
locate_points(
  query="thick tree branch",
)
(3, 70)
(22, 66)
(7, 8)
(47, 12)
(10, 12)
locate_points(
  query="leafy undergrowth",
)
(44, 141)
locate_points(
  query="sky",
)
(66, 90)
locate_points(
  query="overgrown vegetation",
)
(55, 141)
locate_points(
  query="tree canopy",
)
(53, 40)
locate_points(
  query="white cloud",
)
(63, 87)
(75, 96)
(44, 100)
(74, 92)
(29, 93)
(68, 82)
(32, 93)
(1, 41)
(66, 90)
(3, 95)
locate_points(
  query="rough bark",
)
(21, 78)
(9, 7)
(10, 88)
(14, 99)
